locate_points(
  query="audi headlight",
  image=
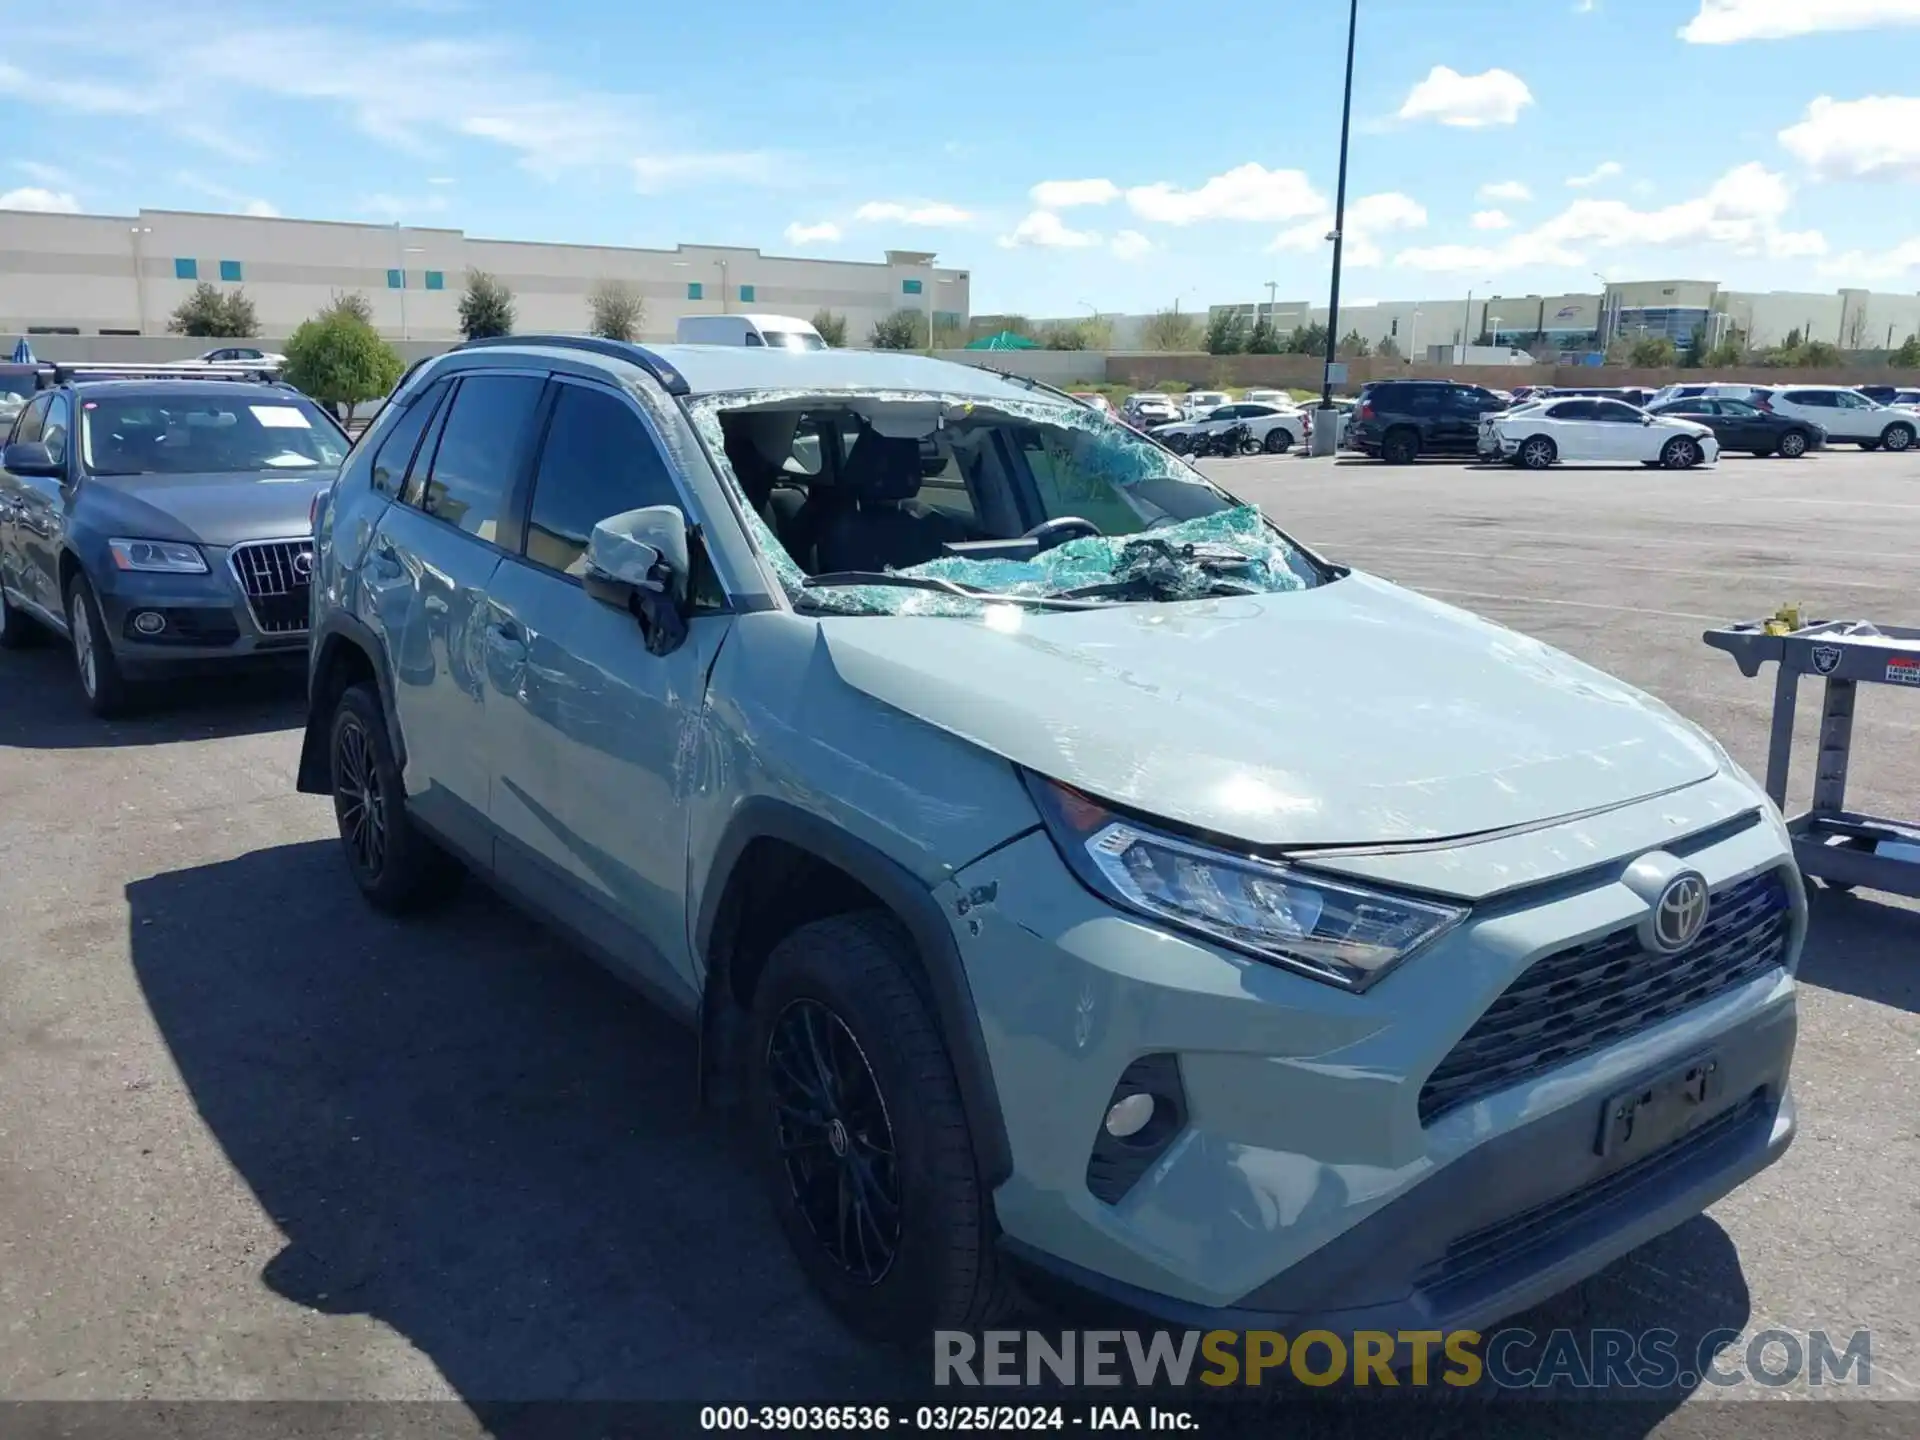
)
(167, 556)
(1331, 931)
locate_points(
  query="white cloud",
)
(1605, 170)
(1246, 192)
(402, 207)
(1505, 190)
(1877, 138)
(43, 174)
(1065, 194)
(1046, 230)
(1862, 265)
(227, 197)
(927, 213)
(1366, 217)
(440, 180)
(1131, 245)
(1492, 220)
(1727, 22)
(1494, 97)
(32, 197)
(826, 232)
(653, 173)
(1741, 211)
(1585, 7)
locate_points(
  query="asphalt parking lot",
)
(257, 1143)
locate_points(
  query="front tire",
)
(102, 684)
(397, 867)
(862, 1138)
(1792, 445)
(1898, 437)
(1537, 453)
(1680, 453)
(1869, 444)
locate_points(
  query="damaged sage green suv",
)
(1075, 878)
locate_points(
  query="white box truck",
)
(776, 332)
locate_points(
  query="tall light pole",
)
(1273, 300)
(401, 251)
(1326, 433)
(1413, 338)
(1606, 310)
(140, 274)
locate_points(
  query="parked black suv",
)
(1399, 420)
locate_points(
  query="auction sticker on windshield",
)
(280, 417)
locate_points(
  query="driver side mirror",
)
(639, 561)
(30, 457)
(1646, 419)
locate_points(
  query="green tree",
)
(1226, 331)
(1820, 354)
(1354, 347)
(1907, 357)
(1263, 340)
(340, 360)
(616, 310)
(351, 302)
(902, 330)
(1171, 331)
(1307, 340)
(1730, 351)
(486, 309)
(1388, 349)
(832, 328)
(1651, 352)
(1063, 335)
(215, 314)
(1794, 339)
(1098, 330)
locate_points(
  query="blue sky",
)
(1071, 155)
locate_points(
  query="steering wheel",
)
(1058, 531)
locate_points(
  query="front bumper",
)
(209, 620)
(1303, 1183)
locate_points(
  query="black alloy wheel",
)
(835, 1139)
(359, 799)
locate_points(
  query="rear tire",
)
(1869, 444)
(1400, 447)
(1278, 442)
(1792, 445)
(16, 630)
(1536, 453)
(856, 1111)
(102, 684)
(1898, 437)
(395, 864)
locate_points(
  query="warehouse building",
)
(124, 275)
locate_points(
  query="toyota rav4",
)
(1071, 876)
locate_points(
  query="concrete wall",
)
(1064, 368)
(121, 273)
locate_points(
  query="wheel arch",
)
(342, 652)
(732, 934)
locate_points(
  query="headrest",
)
(883, 467)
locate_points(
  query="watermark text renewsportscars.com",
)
(1509, 1359)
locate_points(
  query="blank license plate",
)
(1656, 1111)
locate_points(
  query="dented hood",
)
(1352, 713)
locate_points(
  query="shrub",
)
(832, 328)
(902, 330)
(214, 314)
(1171, 331)
(615, 309)
(486, 309)
(340, 360)
(1226, 332)
(1907, 357)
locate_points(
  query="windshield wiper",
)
(838, 578)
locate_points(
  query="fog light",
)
(149, 622)
(1130, 1116)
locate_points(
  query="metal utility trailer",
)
(1830, 842)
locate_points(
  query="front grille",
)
(1507, 1242)
(276, 576)
(1586, 998)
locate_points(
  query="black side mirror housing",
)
(30, 457)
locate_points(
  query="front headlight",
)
(167, 556)
(1326, 929)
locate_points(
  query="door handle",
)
(384, 563)
(506, 638)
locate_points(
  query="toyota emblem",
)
(1680, 912)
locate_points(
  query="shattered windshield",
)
(929, 504)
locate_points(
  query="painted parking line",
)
(1611, 564)
(1572, 604)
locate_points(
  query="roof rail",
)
(1026, 380)
(66, 372)
(670, 378)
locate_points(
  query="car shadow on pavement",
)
(1859, 944)
(474, 1135)
(41, 707)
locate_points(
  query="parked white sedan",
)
(1275, 429)
(1587, 431)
